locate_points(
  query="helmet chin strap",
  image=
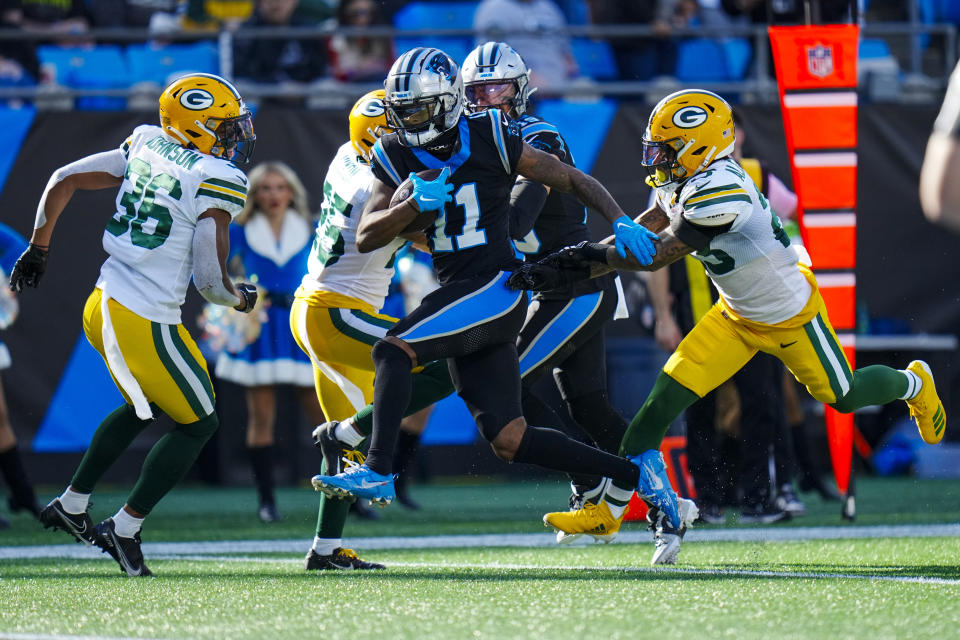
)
(445, 143)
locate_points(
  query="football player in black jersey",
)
(473, 319)
(563, 332)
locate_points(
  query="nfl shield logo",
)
(820, 60)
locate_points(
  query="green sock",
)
(431, 385)
(168, 461)
(110, 440)
(666, 401)
(873, 385)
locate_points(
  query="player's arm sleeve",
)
(223, 188)
(12, 244)
(85, 173)
(507, 139)
(526, 201)
(384, 168)
(208, 270)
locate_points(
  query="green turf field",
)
(874, 587)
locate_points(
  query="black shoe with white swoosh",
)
(341, 559)
(78, 525)
(126, 551)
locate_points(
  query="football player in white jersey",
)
(334, 319)
(178, 192)
(769, 300)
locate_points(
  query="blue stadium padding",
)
(701, 60)
(950, 11)
(456, 48)
(450, 423)
(739, 53)
(84, 397)
(584, 126)
(15, 123)
(595, 58)
(872, 49)
(150, 63)
(99, 67)
(435, 15)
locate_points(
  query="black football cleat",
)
(78, 525)
(340, 560)
(335, 452)
(126, 551)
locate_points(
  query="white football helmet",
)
(423, 95)
(489, 71)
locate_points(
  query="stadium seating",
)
(436, 15)
(595, 58)
(701, 60)
(99, 67)
(151, 63)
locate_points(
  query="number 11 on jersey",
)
(465, 197)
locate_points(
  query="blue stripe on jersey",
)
(456, 160)
(538, 127)
(559, 330)
(483, 305)
(498, 138)
(380, 157)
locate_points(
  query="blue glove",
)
(431, 195)
(629, 235)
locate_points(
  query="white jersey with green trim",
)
(752, 264)
(335, 265)
(166, 188)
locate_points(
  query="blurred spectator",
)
(214, 14)
(531, 27)
(788, 11)
(127, 13)
(643, 58)
(279, 60)
(50, 16)
(359, 58)
(18, 59)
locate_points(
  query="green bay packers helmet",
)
(687, 131)
(205, 112)
(368, 121)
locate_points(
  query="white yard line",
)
(221, 547)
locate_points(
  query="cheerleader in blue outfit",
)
(22, 496)
(270, 242)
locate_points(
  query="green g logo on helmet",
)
(689, 117)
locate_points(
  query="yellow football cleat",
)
(926, 408)
(593, 520)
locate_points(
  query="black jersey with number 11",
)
(472, 234)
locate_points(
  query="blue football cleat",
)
(654, 485)
(359, 481)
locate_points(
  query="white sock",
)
(326, 546)
(346, 434)
(617, 499)
(913, 384)
(125, 524)
(73, 502)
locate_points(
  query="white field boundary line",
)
(528, 540)
(730, 573)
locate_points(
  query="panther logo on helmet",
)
(423, 96)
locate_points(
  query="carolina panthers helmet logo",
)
(196, 99)
(689, 117)
(440, 65)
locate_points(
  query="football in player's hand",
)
(425, 218)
